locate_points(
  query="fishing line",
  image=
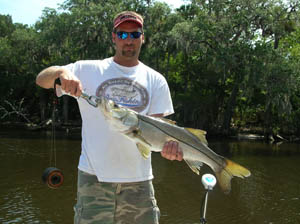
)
(53, 134)
(203, 208)
(52, 176)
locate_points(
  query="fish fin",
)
(135, 133)
(194, 165)
(144, 150)
(167, 120)
(230, 170)
(200, 134)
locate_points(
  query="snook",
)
(150, 134)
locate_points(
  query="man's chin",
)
(129, 53)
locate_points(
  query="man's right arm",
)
(69, 82)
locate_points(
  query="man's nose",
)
(129, 40)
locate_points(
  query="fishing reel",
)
(53, 177)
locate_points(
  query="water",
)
(270, 196)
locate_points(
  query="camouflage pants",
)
(114, 203)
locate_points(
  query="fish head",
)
(121, 118)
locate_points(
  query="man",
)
(114, 181)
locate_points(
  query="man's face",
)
(129, 48)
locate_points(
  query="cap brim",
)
(126, 20)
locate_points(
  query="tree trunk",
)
(268, 130)
(276, 41)
(43, 105)
(168, 66)
(229, 109)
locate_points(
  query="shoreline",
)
(251, 134)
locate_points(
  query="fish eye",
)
(135, 132)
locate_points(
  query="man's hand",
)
(69, 83)
(172, 151)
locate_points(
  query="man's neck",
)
(126, 63)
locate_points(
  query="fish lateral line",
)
(179, 140)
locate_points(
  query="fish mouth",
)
(108, 105)
(113, 110)
(121, 119)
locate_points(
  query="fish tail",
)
(230, 170)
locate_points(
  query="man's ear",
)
(113, 37)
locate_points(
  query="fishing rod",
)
(208, 181)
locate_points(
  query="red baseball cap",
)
(128, 16)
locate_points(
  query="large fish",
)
(150, 134)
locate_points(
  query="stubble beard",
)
(128, 53)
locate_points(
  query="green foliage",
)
(228, 63)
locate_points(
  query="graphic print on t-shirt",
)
(125, 92)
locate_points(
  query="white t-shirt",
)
(106, 153)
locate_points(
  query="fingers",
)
(172, 151)
(179, 155)
(70, 84)
(72, 87)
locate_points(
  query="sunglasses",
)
(133, 35)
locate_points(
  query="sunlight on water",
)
(270, 196)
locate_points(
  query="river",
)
(270, 196)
